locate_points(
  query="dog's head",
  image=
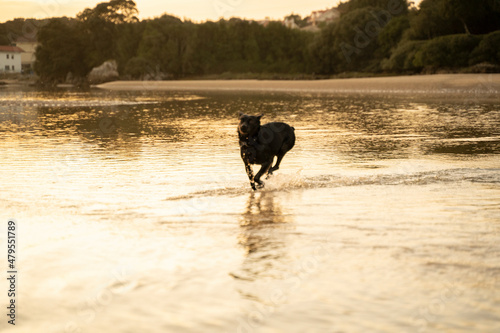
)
(249, 125)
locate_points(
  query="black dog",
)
(259, 144)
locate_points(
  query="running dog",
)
(259, 144)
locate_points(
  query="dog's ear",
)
(240, 114)
(260, 116)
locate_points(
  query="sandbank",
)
(416, 84)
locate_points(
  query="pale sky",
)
(196, 10)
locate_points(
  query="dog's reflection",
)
(263, 233)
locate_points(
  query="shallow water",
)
(135, 213)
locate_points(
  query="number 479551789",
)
(11, 244)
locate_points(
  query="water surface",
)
(135, 213)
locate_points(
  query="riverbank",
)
(427, 84)
(17, 79)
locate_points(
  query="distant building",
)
(289, 22)
(312, 23)
(28, 56)
(10, 59)
(264, 22)
(326, 16)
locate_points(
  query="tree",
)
(167, 45)
(350, 43)
(208, 47)
(394, 5)
(392, 34)
(452, 51)
(11, 30)
(128, 42)
(447, 17)
(476, 17)
(402, 58)
(4, 40)
(488, 50)
(100, 28)
(139, 68)
(114, 11)
(369, 36)
(60, 51)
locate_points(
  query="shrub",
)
(451, 51)
(138, 67)
(488, 50)
(402, 57)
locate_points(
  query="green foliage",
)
(353, 43)
(488, 50)
(446, 17)
(402, 58)
(239, 46)
(4, 40)
(396, 7)
(101, 27)
(60, 51)
(127, 42)
(476, 17)
(76, 46)
(392, 34)
(282, 50)
(430, 21)
(369, 37)
(114, 11)
(166, 43)
(446, 52)
(139, 68)
(10, 31)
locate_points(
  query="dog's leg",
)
(265, 167)
(248, 169)
(277, 164)
(287, 145)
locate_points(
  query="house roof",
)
(5, 48)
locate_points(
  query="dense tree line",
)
(391, 36)
(10, 31)
(165, 47)
(371, 36)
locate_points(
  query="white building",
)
(327, 16)
(28, 56)
(10, 59)
(289, 22)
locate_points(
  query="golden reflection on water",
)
(263, 226)
(381, 205)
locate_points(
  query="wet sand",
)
(426, 84)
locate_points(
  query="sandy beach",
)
(425, 84)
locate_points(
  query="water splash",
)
(297, 181)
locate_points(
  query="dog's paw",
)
(257, 185)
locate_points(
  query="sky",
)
(195, 10)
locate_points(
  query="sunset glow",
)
(196, 10)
